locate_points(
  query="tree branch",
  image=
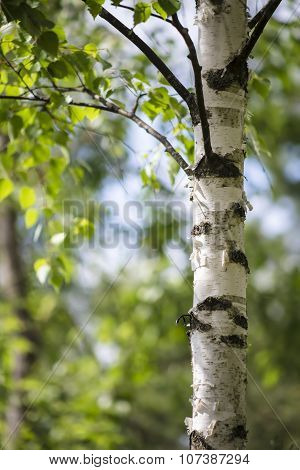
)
(23, 98)
(182, 91)
(258, 23)
(253, 22)
(113, 108)
(198, 83)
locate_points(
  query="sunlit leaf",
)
(142, 12)
(6, 188)
(42, 269)
(94, 6)
(31, 217)
(27, 197)
(169, 6)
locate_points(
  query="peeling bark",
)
(218, 321)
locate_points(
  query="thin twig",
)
(253, 21)
(198, 83)
(259, 22)
(136, 105)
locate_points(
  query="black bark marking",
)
(241, 321)
(234, 73)
(214, 303)
(192, 323)
(237, 318)
(239, 432)
(215, 3)
(238, 210)
(203, 228)
(198, 441)
(236, 341)
(217, 166)
(237, 256)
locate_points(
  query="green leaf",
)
(256, 142)
(79, 113)
(6, 188)
(91, 113)
(159, 103)
(42, 269)
(156, 6)
(48, 41)
(81, 60)
(105, 64)
(142, 12)
(94, 6)
(84, 227)
(173, 170)
(149, 178)
(58, 69)
(32, 20)
(31, 216)
(261, 85)
(56, 280)
(66, 266)
(16, 123)
(170, 7)
(91, 49)
(27, 197)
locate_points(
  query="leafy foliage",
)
(61, 85)
(165, 8)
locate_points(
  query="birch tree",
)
(49, 83)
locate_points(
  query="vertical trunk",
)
(218, 321)
(14, 289)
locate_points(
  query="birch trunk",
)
(218, 320)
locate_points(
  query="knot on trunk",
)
(217, 166)
(192, 323)
(203, 228)
(235, 73)
(239, 432)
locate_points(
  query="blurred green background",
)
(110, 369)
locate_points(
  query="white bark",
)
(218, 326)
